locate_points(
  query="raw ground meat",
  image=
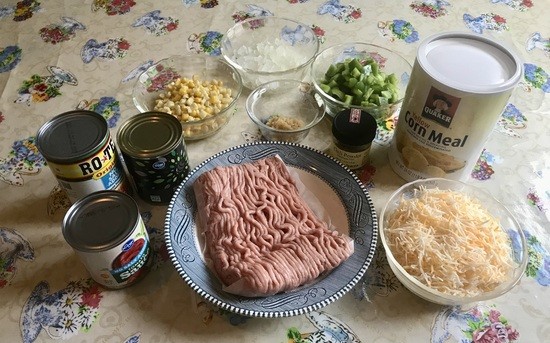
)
(260, 236)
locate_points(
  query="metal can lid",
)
(149, 135)
(354, 127)
(100, 221)
(470, 62)
(72, 136)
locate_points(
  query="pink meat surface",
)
(260, 235)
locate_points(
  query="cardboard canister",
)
(459, 85)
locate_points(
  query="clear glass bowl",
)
(269, 48)
(388, 61)
(153, 81)
(292, 99)
(508, 223)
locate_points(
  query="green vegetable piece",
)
(371, 79)
(348, 99)
(386, 94)
(356, 64)
(368, 93)
(337, 93)
(351, 82)
(394, 98)
(375, 99)
(375, 67)
(392, 79)
(332, 83)
(382, 101)
(377, 88)
(356, 72)
(325, 87)
(331, 71)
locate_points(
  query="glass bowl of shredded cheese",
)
(452, 243)
(269, 48)
(201, 91)
(284, 110)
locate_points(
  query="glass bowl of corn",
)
(201, 91)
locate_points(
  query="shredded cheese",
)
(450, 242)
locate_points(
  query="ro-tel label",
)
(102, 166)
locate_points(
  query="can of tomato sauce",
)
(106, 231)
(153, 150)
(459, 86)
(79, 150)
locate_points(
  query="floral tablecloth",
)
(57, 56)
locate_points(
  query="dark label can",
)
(154, 152)
(107, 232)
(78, 148)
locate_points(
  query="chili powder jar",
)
(353, 131)
(154, 152)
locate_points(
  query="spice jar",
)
(353, 131)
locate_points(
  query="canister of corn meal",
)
(106, 231)
(154, 152)
(78, 148)
(459, 86)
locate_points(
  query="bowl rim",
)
(500, 289)
(354, 43)
(268, 73)
(262, 126)
(236, 76)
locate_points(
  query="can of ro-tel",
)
(459, 86)
(79, 150)
(106, 231)
(154, 152)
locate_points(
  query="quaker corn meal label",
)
(459, 86)
(440, 107)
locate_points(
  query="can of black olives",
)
(154, 152)
(107, 232)
(81, 154)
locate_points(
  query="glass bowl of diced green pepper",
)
(360, 75)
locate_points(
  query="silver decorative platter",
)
(347, 204)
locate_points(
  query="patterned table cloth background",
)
(57, 56)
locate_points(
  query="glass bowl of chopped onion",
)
(199, 90)
(269, 48)
(361, 75)
(452, 243)
(284, 110)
